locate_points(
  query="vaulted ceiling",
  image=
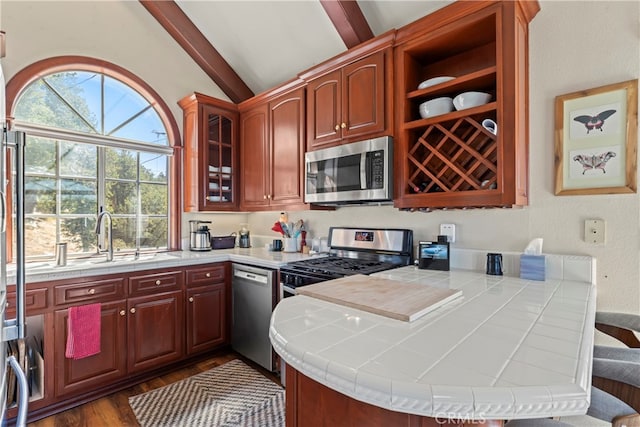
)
(247, 47)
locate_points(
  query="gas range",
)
(353, 251)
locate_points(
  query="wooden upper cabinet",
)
(347, 104)
(272, 150)
(286, 114)
(363, 103)
(450, 160)
(349, 97)
(324, 115)
(210, 154)
(254, 157)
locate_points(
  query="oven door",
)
(357, 172)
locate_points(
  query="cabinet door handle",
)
(92, 291)
(158, 282)
(190, 299)
(208, 275)
(268, 196)
(123, 312)
(337, 127)
(343, 125)
(133, 310)
(264, 196)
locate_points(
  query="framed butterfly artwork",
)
(596, 139)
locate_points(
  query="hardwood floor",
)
(114, 410)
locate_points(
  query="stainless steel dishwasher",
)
(253, 300)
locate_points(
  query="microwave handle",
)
(364, 166)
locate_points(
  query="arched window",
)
(97, 139)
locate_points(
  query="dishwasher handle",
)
(242, 274)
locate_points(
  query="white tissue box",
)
(532, 267)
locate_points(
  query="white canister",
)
(290, 244)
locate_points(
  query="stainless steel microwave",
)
(356, 173)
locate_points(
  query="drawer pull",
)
(158, 282)
(133, 310)
(337, 127)
(7, 304)
(122, 312)
(92, 291)
(190, 299)
(208, 274)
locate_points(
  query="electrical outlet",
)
(594, 231)
(448, 230)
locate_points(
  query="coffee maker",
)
(199, 236)
(243, 236)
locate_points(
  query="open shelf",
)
(30, 355)
(451, 160)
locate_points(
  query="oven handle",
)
(363, 171)
(284, 288)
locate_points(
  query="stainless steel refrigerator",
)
(11, 329)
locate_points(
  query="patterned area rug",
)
(232, 394)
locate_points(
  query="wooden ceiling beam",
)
(349, 21)
(180, 27)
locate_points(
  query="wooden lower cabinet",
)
(206, 318)
(155, 330)
(149, 320)
(311, 404)
(73, 376)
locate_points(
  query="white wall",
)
(574, 45)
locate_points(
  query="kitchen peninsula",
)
(509, 348)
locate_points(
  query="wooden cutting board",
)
(390, 298)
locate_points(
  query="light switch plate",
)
(594, 231)
(448, 230)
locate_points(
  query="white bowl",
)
(434, 81)
(470, 99)
(435, 107)
(225, 169)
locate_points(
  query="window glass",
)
(40, 196)
(78, 159)
(153, 167)
(80, 90)
(77, 196)
(40, 104)
(121, 104)
(153, 199)
(121, 164)
(121, 197)
(40, 157)
(69, 179)
(145, 127)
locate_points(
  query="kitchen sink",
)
(38, 267)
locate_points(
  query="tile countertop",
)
(45, 271)
(508, 348)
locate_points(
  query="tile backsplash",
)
(558, 267)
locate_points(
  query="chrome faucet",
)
(109, 251)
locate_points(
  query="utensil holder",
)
(290, 244)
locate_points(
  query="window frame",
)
(37, 70)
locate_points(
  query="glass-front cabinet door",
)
(220, 183)
(210, 154)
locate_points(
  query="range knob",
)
(299, 281)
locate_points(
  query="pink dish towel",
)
(83, 331)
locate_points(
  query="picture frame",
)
(596, 139)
